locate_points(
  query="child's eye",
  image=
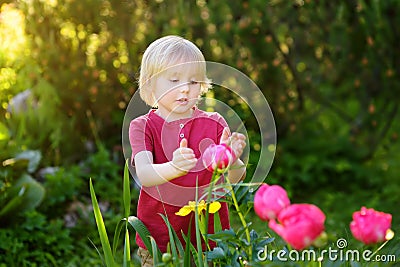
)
(194, 82)
(174, 80)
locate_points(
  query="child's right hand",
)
(183, 158)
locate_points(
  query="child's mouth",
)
(183, 100)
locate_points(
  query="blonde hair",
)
(164, 53)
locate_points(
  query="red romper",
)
(152, 133)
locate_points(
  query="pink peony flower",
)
(218, 157)
(269, 200)
(300, 224)
(370, 226)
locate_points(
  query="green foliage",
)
(105, 173)
(16, 67)
(236, 246)
(24, 195)
(4, 135)
(41, 124)
(231, 249)
(317, 163)
(340, 76)
(20, 192)
(35, 242)
(84, 60)
(62, 186)
(63, 215)
(110, 256)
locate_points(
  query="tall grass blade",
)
(127, 250)
(186, 260)
(217, 223)
(190, 250)
(98, 251)
(108, 256)
(126, 191)
(157, 252)
(176, 245)
(117, 233)
(198, 238)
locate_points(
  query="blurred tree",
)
(329, 70)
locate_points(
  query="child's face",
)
(177, 91)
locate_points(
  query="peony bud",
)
(218, 157)
(370, 226)
(300, 225)
(269, 200)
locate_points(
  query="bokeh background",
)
(329, 70)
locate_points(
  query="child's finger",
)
(239, 136)
(183, 143)
(225, 136)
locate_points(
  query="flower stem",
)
(242, 220)
(214, 178)
(198, 240)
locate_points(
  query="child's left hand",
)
(236, 141)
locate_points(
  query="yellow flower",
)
(185, 210)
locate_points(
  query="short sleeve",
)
(140, 137)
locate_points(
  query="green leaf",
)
(97, 250)
(34, 194)
(14, 203)
(28, 160)
(25, 194)
(242, 230)
(198, 238)
(33, 157)
(127, 250)
(174, 241)
(264, 241)
(217, 223)
(4, 134)
(216, 253)
(101, 228)
(117, 233)
(8, 193)
(186, 261)
(224, 235)
(127, 191)
(144, 234)
(253, 235)
(190, 250)
(157, 252)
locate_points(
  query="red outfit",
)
(152, 133)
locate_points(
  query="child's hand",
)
(183, 158)
(236, 141)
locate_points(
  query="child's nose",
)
(184, 88)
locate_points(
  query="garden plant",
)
(301, 226)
